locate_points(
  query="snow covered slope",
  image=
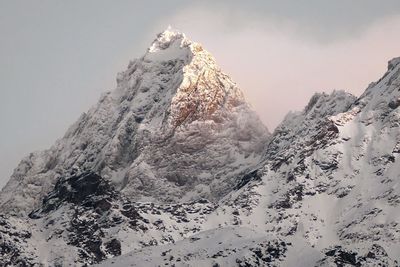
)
(174, 169)
(176, 128)
(327, 194)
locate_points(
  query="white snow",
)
(177, 128)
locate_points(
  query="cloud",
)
(323, 21)
(278, 68)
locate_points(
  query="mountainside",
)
(174, 169)
(327, 194)
(176, 128)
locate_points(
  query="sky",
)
(57, 57)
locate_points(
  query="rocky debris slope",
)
(229, 246)
(84, 220)
(176, 128)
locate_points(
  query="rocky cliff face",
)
(173, 168)
(176, 128)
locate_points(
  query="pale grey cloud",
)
(278, 69)
(58, 56)
(324, 20)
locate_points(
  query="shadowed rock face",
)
(78, 221)
(88, 189)
(83, 202)
(338, 256)
(13, 237)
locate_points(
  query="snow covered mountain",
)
(174, 169)
(176, 128)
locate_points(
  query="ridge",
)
(176, 128)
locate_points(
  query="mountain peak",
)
(172, 44)
(393, 63)
(172, 121)
(166, 38)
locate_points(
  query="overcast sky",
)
(57, 57)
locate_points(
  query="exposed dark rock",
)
(87, 189)
(376, 256)
(252, 176)
(395, 103)
(113, 247)
(268, 253)
(11, 245)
